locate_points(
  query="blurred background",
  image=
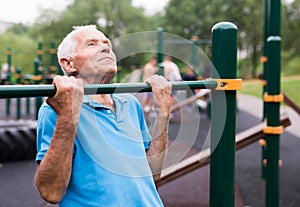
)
(31, 30)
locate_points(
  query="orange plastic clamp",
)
(273, 130)
(263, 59)
(39, 52)
(280, 163)
(263, 82)
(262, 142)
(52, 51)
(229, 84)
(52, 68)
(273, 98)
(265, 162)
(37, 77)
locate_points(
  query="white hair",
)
(67, 47)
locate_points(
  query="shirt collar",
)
(117, 99)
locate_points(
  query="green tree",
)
(188, 18)
(23, 50)
(114, 18)
(291, 28)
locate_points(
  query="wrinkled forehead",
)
(89, 34)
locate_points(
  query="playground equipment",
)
(202, 158)
(224, 142)
(224, 38)
(272, 98)
(41, 74)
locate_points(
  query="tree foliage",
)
(117, 18)
(189, 17)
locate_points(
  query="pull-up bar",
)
(18, 91)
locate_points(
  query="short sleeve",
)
(45, 129)
(144, 128)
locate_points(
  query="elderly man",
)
(96, 150)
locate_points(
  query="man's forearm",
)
(53, 173)
(158, 146)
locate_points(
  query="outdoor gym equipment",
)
(223, 106)
(202, 158)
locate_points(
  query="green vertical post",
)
(119, 72)
(53, 62)
(194, 51)
(9, 62)
(222, 161)
(160, 51)
(37, 73)
(264, 62)
(273, 120)
(18, 81)
(273, 51)
(39, 51)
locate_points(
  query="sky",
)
(26, 11)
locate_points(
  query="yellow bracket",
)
(52, 68)
(39, 52)
(263, 82)
(265, 162)
(263, 59)
(52, 51)
(273, 98)
(262, 142)
(37, 77)
(273, 130)
(229, 84)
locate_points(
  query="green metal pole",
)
(38, 100)
(222, 161)
(119, 72)
(264, 61)
(53, 62)
(9, 62)
(160, 51)
(272, 109)
(194, 51)
(273, 120)
(39, 51)
(14, 91)
(18, 81)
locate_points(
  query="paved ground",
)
(17, 188)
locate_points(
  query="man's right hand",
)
(68, 98)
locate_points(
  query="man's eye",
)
(91, 44)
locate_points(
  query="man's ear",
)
(68, 65)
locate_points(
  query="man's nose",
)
(105, 48)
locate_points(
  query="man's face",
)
(94, 59)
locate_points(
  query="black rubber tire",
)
(17, 142)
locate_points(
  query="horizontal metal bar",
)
(18, 91)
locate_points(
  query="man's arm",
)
(53, 174)
(162, 96)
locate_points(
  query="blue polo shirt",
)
(110, 166)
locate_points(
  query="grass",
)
(290, 85)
